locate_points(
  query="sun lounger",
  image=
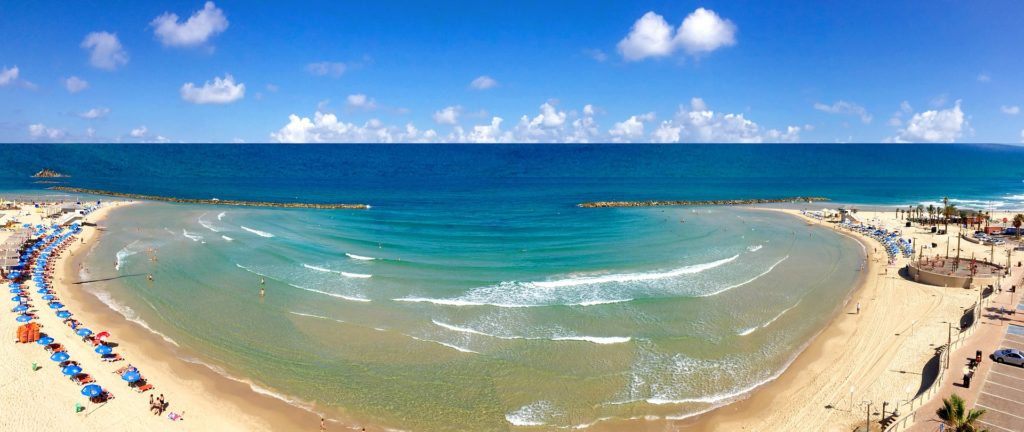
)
(82, 379)
(145, 388)
(112, 358)
(123, 370)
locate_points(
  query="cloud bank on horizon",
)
(628, 74)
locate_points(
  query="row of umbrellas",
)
(52, 241)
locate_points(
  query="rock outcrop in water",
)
(213, 201)
(48, 173)
(609, 204)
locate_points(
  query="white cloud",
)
(845, 108)
(8, 76)
(273, 88)
(905, 107)
(139, 132)
(483, 82)
(651, 36)
(326, 68)
(105, 50)
(692, 123)
(75, 84)
(360, 101)
(933, 126)
(698, 123)
(95, 113)
(40, 130)
(195, 31)
(448, 115)
(220, 91)
(702, 31)
(1010, 110)
(984, 77)
(327, 128)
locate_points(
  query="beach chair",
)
(144, 388)
(55, 348)
(123, 370)
(112, 358)
(83, 379)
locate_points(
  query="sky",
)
(523, 71)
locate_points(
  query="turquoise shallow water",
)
(557, 319)
(474, 295)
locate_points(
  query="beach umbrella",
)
(45, 340)
(49, 297)
(63, 314)
(102, 335)
(20, 308)
(19, 299)
(83, 332)
(103, 350)
(15, 290)
(131, 376)
(92, 390)
(23, 318)
(56, 305)
(59, 357)
(71, 370)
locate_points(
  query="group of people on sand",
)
(159, 405)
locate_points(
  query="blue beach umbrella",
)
(15, 290)
(103, 350)
(131, 376)
(71, 370)
(19, 299)
(49, 297)
(59, 357)
(45, 340)
(42, 290)
(56, 305)
(83, 332)
(63, 314)
(92, 390)
(23, 318)
(20, 308)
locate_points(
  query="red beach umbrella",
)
(103, 335)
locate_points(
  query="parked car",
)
(1009, 356)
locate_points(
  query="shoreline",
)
(208, 398)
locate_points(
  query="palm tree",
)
(955, 415)
(931, 211)
(1018, 220)
(920, 211)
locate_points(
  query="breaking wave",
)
(717, 292)
(600, 340)
(359, 257)
(257, 232)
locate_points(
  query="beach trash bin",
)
(78, 407)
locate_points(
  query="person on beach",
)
(150, 277)
(323, 427)
(858, 308)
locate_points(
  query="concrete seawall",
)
(210, 201)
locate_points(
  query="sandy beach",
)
(45, 399)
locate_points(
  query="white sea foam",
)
(631, 277)
(769, 322)
(227, 238)
(346, 274)
(717, 292)
(193, 237)
(316, 316)
(454, 347)
(123, 254)
(336, 295)
(253, 386)
(129, 314)
(220, 216)
(257, 232)
(747, 331)
(530, 415)
(577, 290)
(359, 257)
(206, 224)
(592, 339)
(754, 248)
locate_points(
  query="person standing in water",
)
(263, 291)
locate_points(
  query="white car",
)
(1009, 356)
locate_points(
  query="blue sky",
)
(565, 71)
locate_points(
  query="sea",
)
(474, 294)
